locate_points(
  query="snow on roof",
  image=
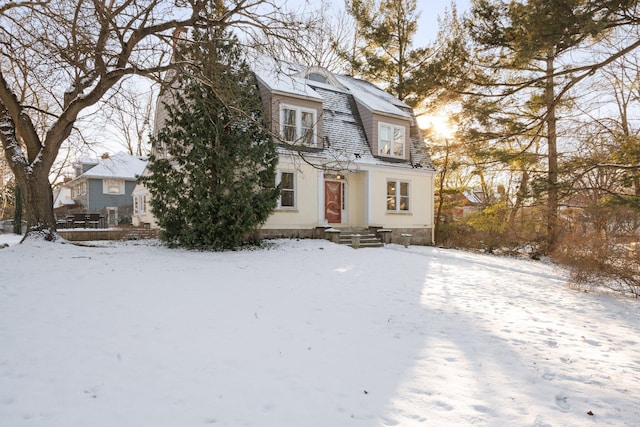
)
(373, 97)
(120, 165)
(346, 142)
(287, 77)
(279, 76)
(62, 197)
(473, 196)
(345, 139)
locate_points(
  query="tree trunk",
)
(552, 204)
(521, 195)
(443, 175)
(37, 199)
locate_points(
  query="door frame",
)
(343, 196)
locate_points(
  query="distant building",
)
(103, 186)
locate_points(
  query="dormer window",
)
(391, 140)
(317, 77)
(298, 125)
(321, 75)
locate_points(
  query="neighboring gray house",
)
(104, 186)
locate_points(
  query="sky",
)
(429, 10)
(307, 333)
(428, 22)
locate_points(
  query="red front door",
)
(333, 201)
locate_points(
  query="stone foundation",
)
(79, 235)
(419, 236)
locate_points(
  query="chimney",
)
(178, 34)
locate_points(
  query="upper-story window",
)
(79, 189)
(317, 77)
(113, 186)
(297, 125)
(391, 140)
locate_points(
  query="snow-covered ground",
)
(307, 333)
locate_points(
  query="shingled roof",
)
(344, 138)
(121, 165)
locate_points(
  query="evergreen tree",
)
(519, 74)
(212, 171)
(386, 55)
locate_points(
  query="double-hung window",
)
(79, 190)
(287, 181)
(139, 204)
(391, 140)
(113, 186)
(297, 125)
(397, 196)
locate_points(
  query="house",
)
(461, 205)
(103, 186)
(142, 216)
(351, 156)
(62, 197)
(466, 203)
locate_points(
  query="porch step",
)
(366, 240)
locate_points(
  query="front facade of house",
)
(104, 186)
(350, 156)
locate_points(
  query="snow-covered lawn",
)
(307, 333)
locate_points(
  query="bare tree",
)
(70, 55)
(315, 44)
(129, 115)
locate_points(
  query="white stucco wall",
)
(305, 214)
(420, 214)
(366, 194)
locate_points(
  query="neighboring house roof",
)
(121, 166)
(474, 197)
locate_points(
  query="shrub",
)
(599, 260)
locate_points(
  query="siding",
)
(277, 100)
(98, 201)
(379, 118)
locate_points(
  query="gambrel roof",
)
(344, 138)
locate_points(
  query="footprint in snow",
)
(563, 402)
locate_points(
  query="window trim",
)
(79, 189)
(110, 183)
(140, 204)
(294, 190)
(392, 128)
(299, 136)
(398, 196)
